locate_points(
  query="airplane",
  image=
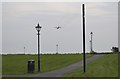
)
(58, 27)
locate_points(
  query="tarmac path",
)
(60, 72)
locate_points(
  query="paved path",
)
(60, 72)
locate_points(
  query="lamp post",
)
(56, 48)
(38, 28)
(24, 50)
(91, 50)
(84, 58)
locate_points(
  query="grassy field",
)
(119, 64)
(106, 66)
(17, 64)
(0, 64)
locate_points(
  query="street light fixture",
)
(38, 28)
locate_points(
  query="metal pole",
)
(38, 53)
(91, 42)
(57, 49)
(90, 45)
(84, 63)
(24, 50)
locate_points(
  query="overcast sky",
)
(19, 21)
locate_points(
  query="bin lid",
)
(31, 60)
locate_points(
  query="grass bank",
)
(107, 66)
(17, 64)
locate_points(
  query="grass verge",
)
(17, 64)
(106, 66)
